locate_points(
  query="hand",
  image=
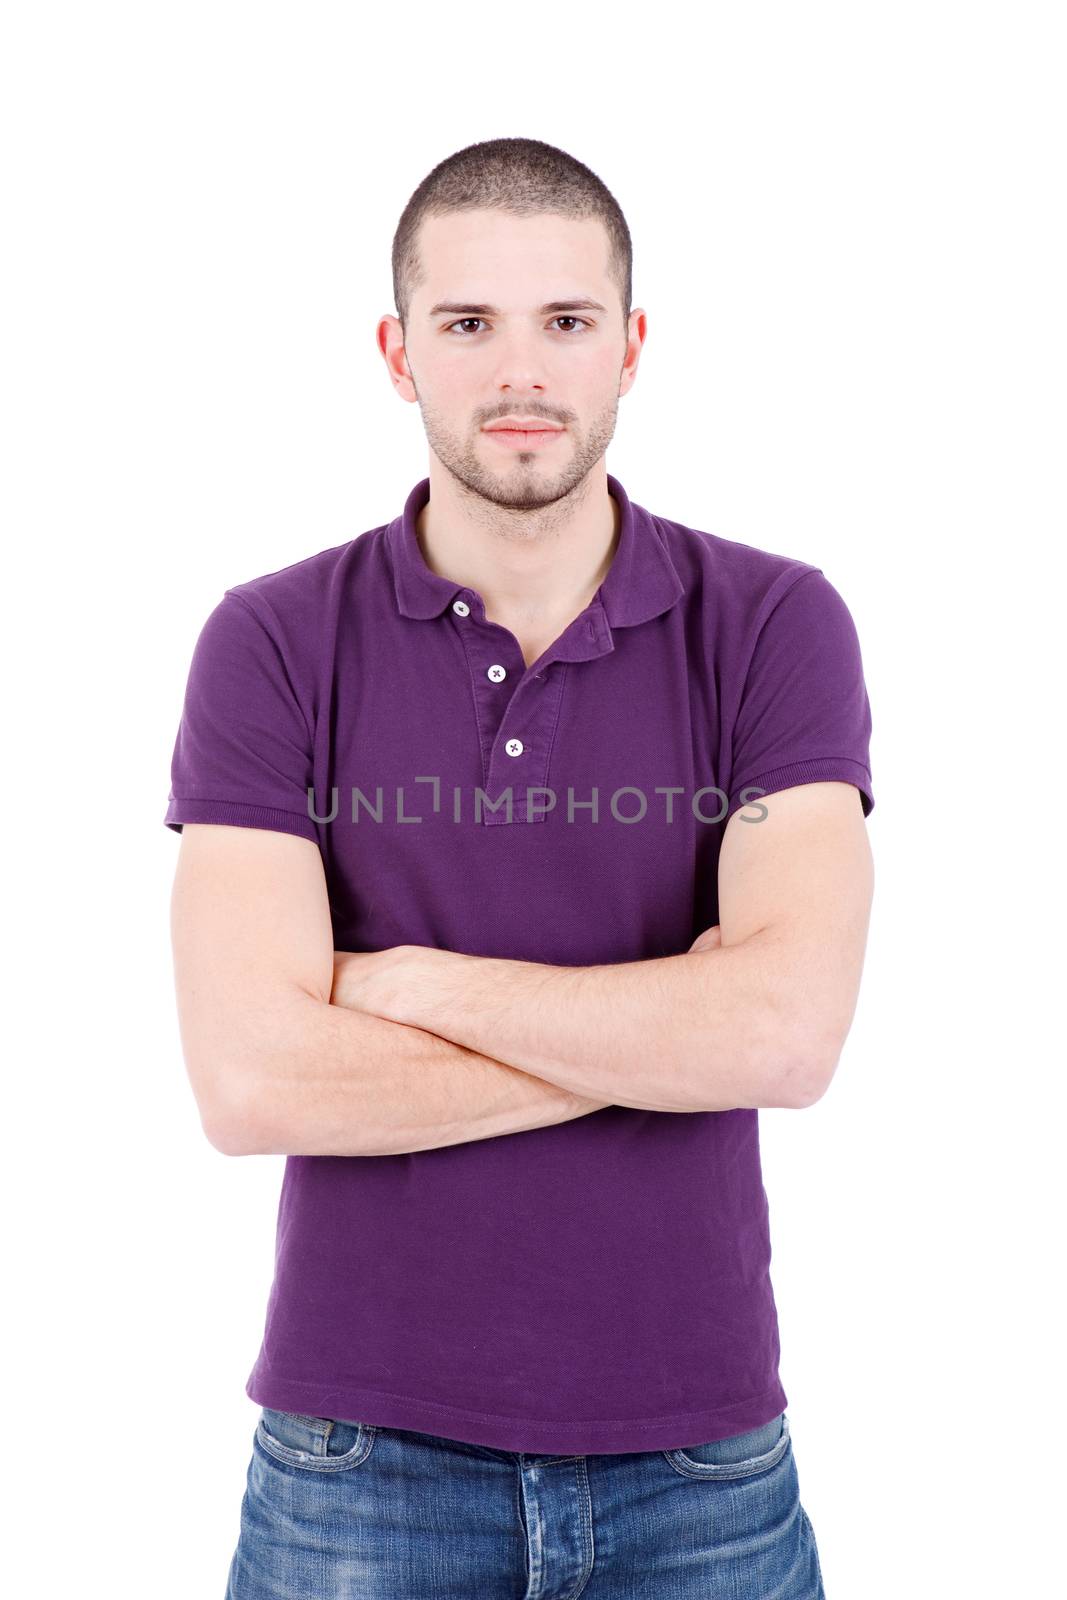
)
(374, 980)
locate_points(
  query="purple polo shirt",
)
(601, 1285)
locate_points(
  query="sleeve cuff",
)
(826, 769)
(240, 815)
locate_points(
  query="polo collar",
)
(641, 583)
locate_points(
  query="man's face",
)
(470, 367)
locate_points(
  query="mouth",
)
(524, 438)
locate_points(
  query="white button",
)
(514, 747)
(461, 608)
(496, 673)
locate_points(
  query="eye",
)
(580, 321)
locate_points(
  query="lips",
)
(525, 439)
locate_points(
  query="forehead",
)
(460, 252)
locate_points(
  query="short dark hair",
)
(521, 176)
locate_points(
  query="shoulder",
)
(303, 593)
(734, 585)
(284, 624)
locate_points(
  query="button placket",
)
(485, 643)
(516, 734)
(522, 752)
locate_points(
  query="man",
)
(524, 860)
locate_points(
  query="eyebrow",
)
(460, 308)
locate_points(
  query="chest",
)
(545, 812)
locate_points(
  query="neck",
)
(541, 565)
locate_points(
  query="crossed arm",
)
(707, 1030)
(306, 1050)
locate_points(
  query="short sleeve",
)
(804, 715)
(243, 753)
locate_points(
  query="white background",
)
(848, 228)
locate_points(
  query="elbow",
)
(800, 1064)
(801, 1071)
(808, 1088)
(243, 1062)
(227, 1139)
(231, 1126)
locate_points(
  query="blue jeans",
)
(348, 1509)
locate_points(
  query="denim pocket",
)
(314, 1444)
(742, 1455)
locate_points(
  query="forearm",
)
(708, 1030)
(334, 1082)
